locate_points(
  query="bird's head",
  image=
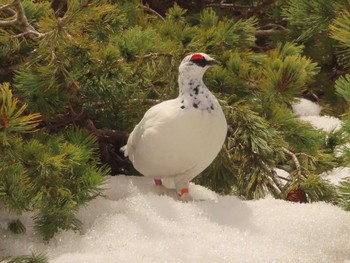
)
(196, 63)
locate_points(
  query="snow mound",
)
(309, 111)
(326, 123)
(337, 175)
(304, 107)
(133, 224)
(282, 173)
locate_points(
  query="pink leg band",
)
(158, 182)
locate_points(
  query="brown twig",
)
(19, 19)
(272, 25)
(258, 9)
(153, 12)
(65, 119)
(270, 32)
(5, 71)
(296, 162)
(276, 179)
(227, 6)
(272, 29)
(7, 6)
(247, 11)
(150, 55)
(283, 178)
(110, 141)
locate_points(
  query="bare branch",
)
(271, 25)
(295, 160)
(259, 9)
(3, 7)
(283, 178)
(227, 6)
(151, 101)
(153, 12)
(270, 32)
(245, 10)
(276, 179)
(36, 33)
(62, 120)
(272, 29)
(8, 22)
(20, 20)
(150, 55)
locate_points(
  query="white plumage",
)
(179, 138)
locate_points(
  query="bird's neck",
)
(191, 85)
(194, 93)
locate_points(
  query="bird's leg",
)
(185, 196)
(158, 182)
(160, 189)
(182, 186)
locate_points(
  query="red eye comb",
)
(197, 56)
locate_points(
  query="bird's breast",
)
(171, 140)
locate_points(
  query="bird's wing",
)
(152, 118)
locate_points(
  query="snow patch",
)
(310, 111)
(304, 107)
(325, 123)
(133, 224)
(337, 175)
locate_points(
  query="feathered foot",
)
(185, 196)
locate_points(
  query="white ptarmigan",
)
(179, 138)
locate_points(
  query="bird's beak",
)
(212, 62)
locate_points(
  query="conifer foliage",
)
(105, 62)
(49, 174)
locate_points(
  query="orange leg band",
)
(184, 191)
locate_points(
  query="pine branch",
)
(10, 68)
(20, 20)
(62, 120)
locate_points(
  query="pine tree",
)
(49, 174)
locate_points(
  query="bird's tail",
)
(124, 149)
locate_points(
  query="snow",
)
(282, 173)
(309, 111)
(338, 174)
(134, 224)
(325, 123)
(304, 107)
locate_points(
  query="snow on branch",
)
(19, 19)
